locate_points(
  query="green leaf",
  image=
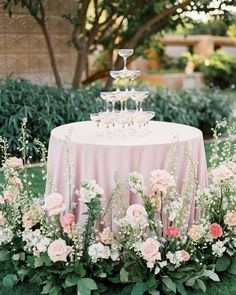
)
(55, 290)
(70, 281)
(169, 284)
(47, 288)
(181, 289)
(9, 281)
(124, 275)
(190, 282)
(4, 255)
(22, 273)
(212, 275)
(16, 257)
(222, 263)
(154, 292)
(139, 289)
(85, 286)
(38, 262)
(232, 268)
(79, 269)
(201, 285)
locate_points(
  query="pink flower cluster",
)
(161, 180)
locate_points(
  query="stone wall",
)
(23, 52)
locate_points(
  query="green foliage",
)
(45, 107)
(198, 108)
(216, 27)
(220, 70)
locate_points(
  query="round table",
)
(76, 153)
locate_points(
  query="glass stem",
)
(107, 110)
(136, 105)
(125, 63)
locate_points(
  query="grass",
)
(227, 286)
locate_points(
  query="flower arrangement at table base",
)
(41, 242)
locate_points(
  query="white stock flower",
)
(89, 190)
(98, 251)
(175, 258)
(218, 248)
(136, 182)
(6, 235)
(35, 240)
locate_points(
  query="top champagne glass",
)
(125, 53)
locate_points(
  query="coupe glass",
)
(138, 97)
(123, 96)
(109, 97)
(116, 75)
(125, 53)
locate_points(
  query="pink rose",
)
(9, 196)
(14, 162)
(2, 219)
(54, 204)
(136, 214)
(67, 220)
(58, 250)
(185, 255)
(150, 250)
(173, 232)
(215, 230)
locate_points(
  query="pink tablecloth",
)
(76, 153)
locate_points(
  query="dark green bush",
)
(46, 107)
(198, 108)
(220, 70)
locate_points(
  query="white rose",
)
(135, 215)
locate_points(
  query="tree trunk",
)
(51, 54)
(79, 68)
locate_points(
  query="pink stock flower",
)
(67, 220)
(14, 162)
(2, 200)
(185, 255)
(58, 250)
(161, 180)
(215, 230)
(173, 232)
(9, 196)
(221, 173)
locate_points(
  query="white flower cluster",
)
(35, 240)
(136, 182)
(99, 251)
(89, 190)
(6, 235)
(178, 257)
(219, 248)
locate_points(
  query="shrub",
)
(46, 107)
(198, 108)
(220, 70)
